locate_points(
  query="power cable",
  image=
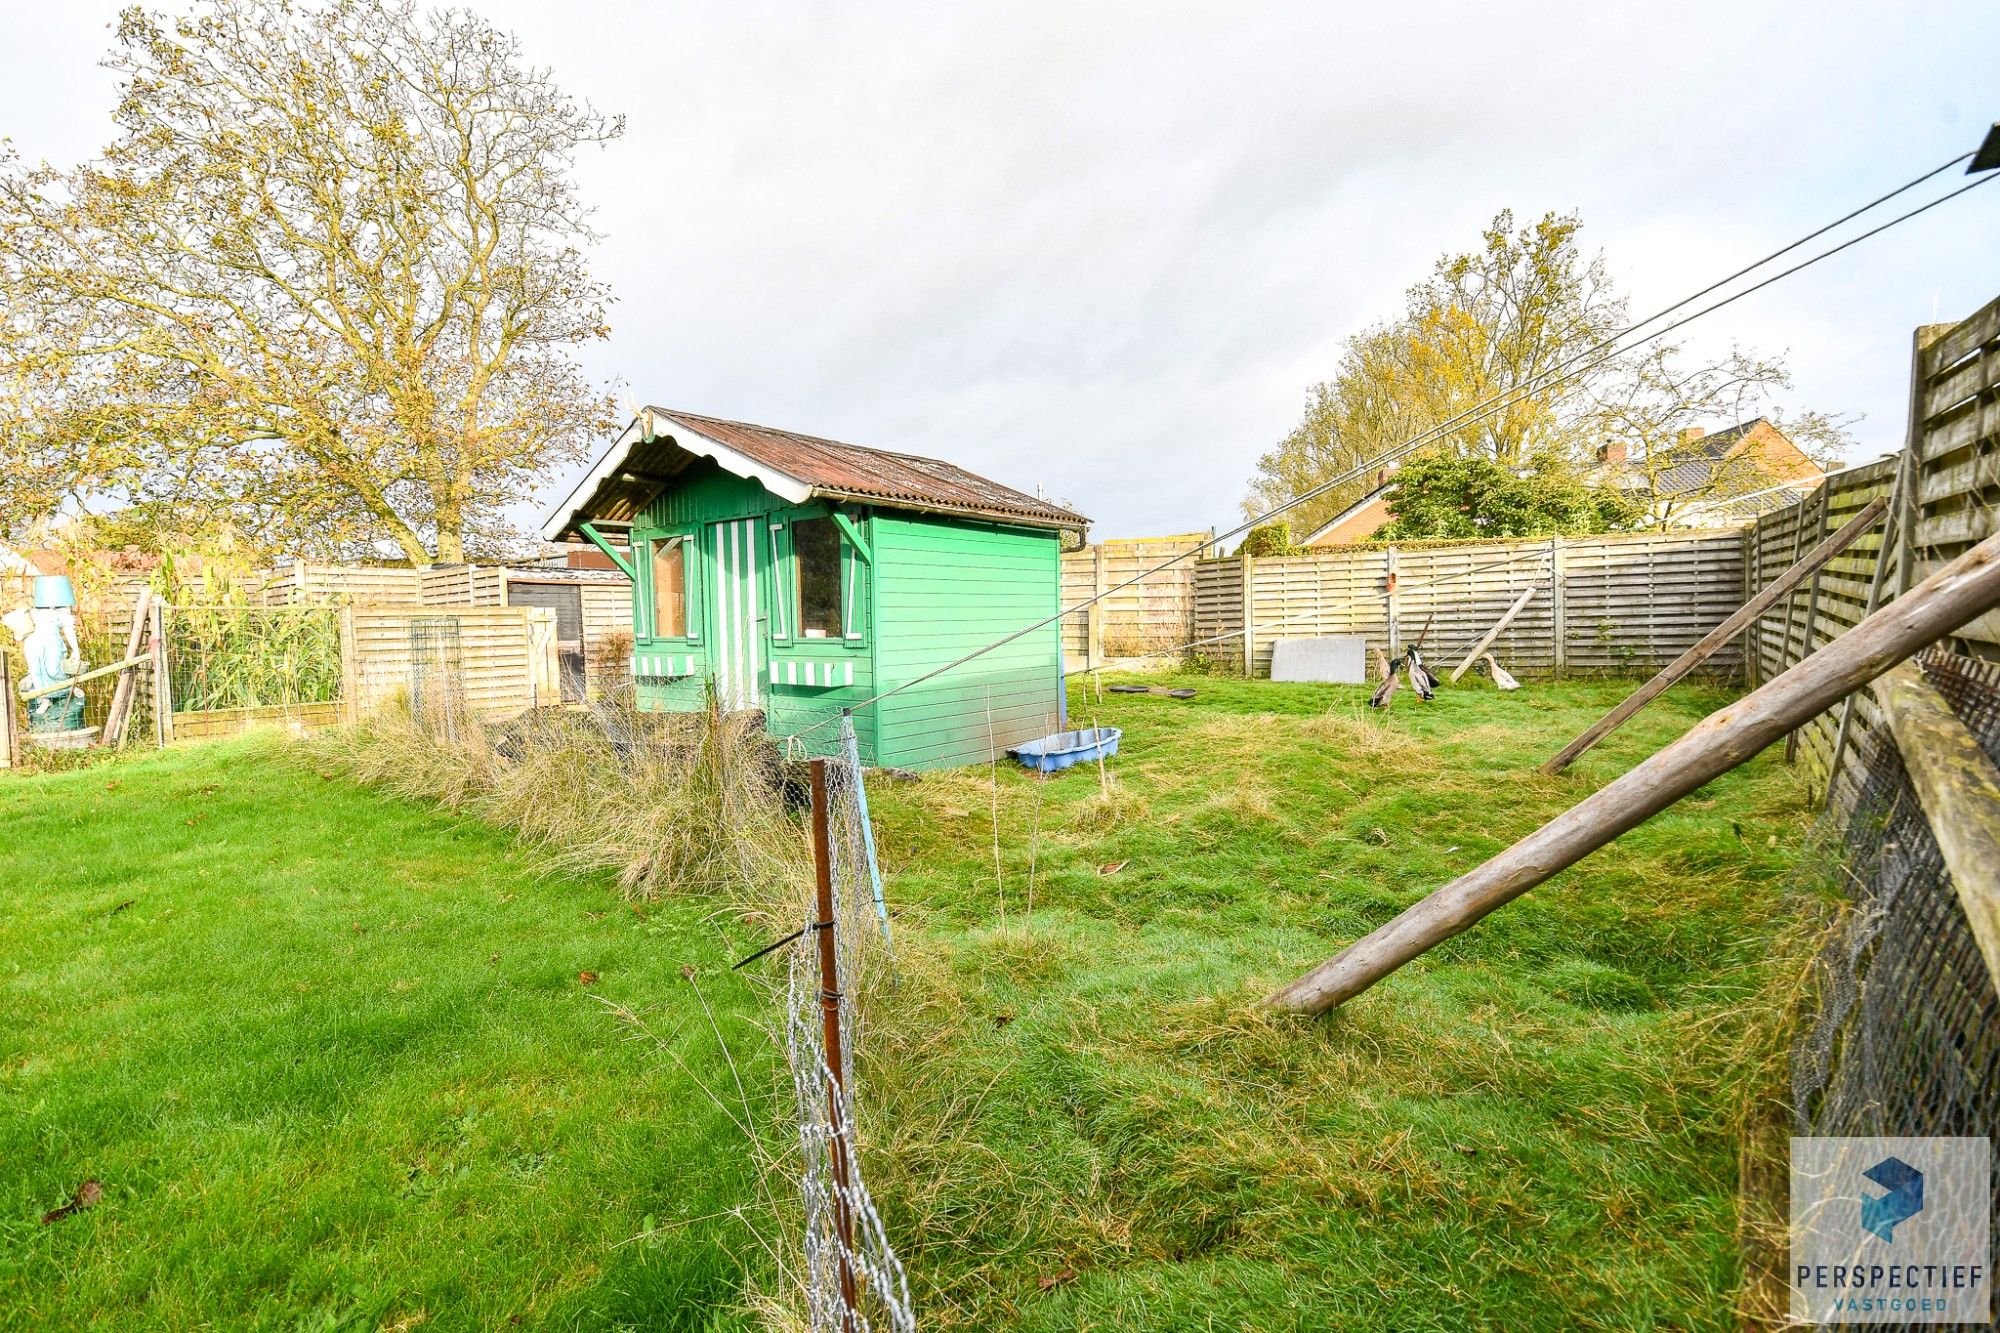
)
(1562, 372)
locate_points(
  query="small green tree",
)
(1444, 494)
(1268, 539)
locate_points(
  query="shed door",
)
(566, 600)
(737, 615)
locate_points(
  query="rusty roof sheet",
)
(840, 470)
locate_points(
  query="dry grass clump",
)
(1111, 806)
(670, 802)
(1359, 734)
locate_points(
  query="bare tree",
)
(325, 285)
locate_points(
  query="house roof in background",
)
(660, 444)
(1695, 471)
(1376, 496)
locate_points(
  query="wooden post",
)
(1966, 588)
(1798, 546)
(1389, 599)
(72, 682)
(1877, 581)
(1713, 641)
(350, 671)
(1559, 606)
(1752, 546)
(1486, 640)
(1093, 649)
(121, 696)
(1249, 617)
(1909, 565)
(163, 685)
(1959, 790)
(8, 742)
(1812, 606)
(829, 1007)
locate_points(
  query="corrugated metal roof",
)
(652, 456)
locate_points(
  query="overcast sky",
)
(1104, 249)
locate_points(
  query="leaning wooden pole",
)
(121, 696)
(1811, 563)
(1486, 639)
(824, 926)
(1966, 588)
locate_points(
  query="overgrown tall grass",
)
(670, 802)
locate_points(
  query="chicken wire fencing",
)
(437, 677)
(851, 1278)
(1906, 1040)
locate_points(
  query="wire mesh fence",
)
(437, 677)
(851, 1278)
(1906, 1040)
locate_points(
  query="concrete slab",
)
(1333, 661)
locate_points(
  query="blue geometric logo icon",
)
(1904, 1200)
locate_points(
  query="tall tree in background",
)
(1490, 322)
(325, 286)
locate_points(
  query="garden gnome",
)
(48, 641)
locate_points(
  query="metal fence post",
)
(163, 685)
(829, 1002)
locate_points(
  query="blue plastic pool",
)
(1068, 747)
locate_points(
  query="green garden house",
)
(800, 577)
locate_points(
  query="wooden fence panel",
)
(1627, 604)
(1218, 609)
(498, 668)
(1958, 448)
(462, 585)
(1636, 602)
(1954, 459)
(1154, 615)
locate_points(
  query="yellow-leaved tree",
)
(1514, 320)
(325, 286)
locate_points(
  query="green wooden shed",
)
(800, 577)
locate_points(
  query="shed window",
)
(816, 553)
(669, 569)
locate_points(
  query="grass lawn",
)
(1082, 1120)
(330, 1056)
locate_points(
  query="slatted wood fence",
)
(505, 656)
(1150, 616)
(1945, 486)
(1625, 604)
